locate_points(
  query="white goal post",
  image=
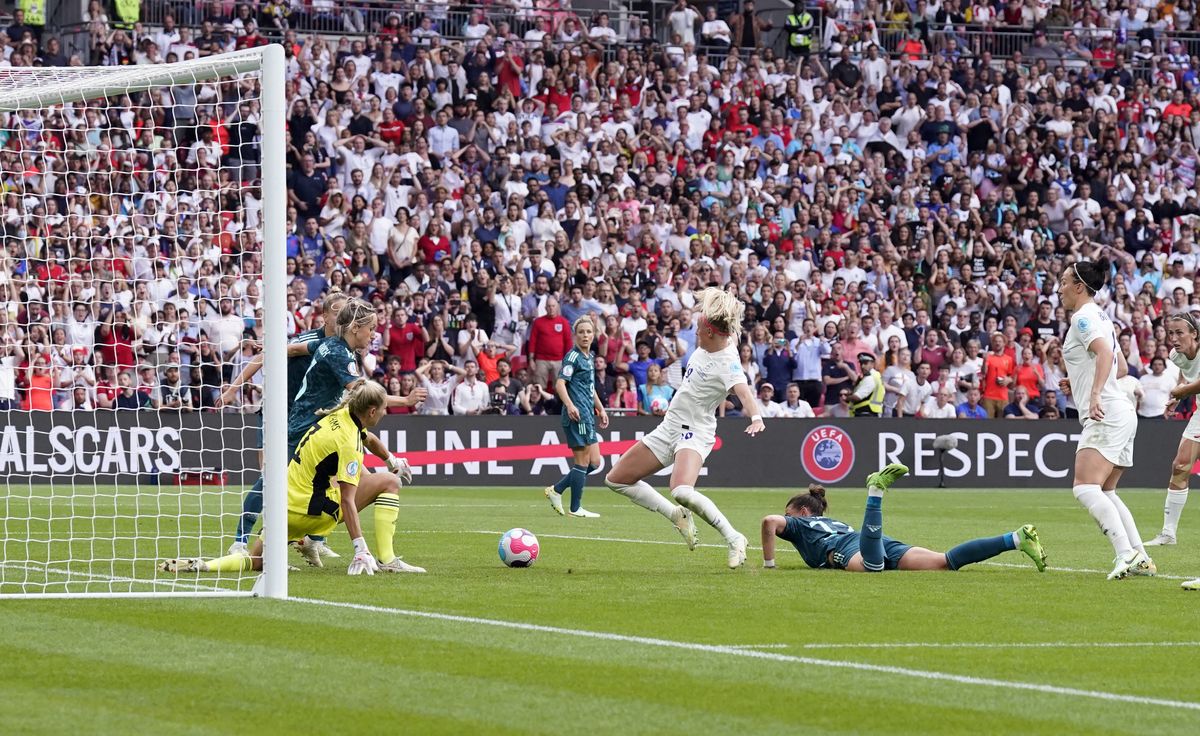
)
(142, 261)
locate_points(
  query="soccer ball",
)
(518, 548)
(659, 405)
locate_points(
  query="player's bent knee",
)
(614, 484)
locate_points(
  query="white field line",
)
(757, 646)
(101, 576)
(1002, 645)
(1051, 567)
(647, 641)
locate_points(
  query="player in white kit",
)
(1183, 335)
(688, 431)
(1109, 420)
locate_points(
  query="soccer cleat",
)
(737, 552)
(238, 548)
(325, 550)
(884, 479)
(1124, 565)
(1190, 584)
(308, 550)
(399, 565)
(555, 499)
(585, 514)
(1162, 540)
(1145, 568)
(1028, 542)
(190, 564)
(683, 521)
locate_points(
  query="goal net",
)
(142, 268)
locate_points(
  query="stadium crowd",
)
(892, 195)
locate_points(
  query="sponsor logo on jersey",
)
(827, 454)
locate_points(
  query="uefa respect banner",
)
(120, 447)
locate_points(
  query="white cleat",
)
(1162, 540)
(737, 552)
(238, 548)
(1124, 565)
(583, 513)
(1191, 584)
(686, 524)
(399, 565)
(325, 550)
(555, 499)
(190, 564)
(308, 550)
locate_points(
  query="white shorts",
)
(1113, 438)
(668, 439)
(1192, 430)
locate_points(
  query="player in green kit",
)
(299, 358)
(828, 543)
(582, 409)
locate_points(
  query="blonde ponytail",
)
(361, 397)
(356, 313)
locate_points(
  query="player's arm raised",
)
(771, 527)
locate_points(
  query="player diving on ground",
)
(824, 542)
(327, 486)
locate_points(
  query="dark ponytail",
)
(1092, 274)
(814, 501)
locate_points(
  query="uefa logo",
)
(827, 454)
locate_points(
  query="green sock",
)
(230, 563)
(387, 510)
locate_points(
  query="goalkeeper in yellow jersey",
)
(326, 485)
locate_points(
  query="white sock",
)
(643, 495)
(1172, 511)
(1135, 539)
(1106, 515)
(702, 505)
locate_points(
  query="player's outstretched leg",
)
(252, 506)
(871, 534)
(704, 507)
(1024, 539)
(625, 479)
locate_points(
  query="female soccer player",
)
(582, 408)
(336, 368)
(827, 543)
(326, 485)
(1108, 417)
(1183, 335)
(688, 431)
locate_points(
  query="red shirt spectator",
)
(405, 340)
(999, 369)
(114, 346)
(549, 336)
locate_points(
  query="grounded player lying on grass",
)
(326, 485)
(828, 543)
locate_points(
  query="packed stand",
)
(894, 191)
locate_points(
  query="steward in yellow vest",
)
(867, 399)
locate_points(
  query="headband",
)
(714, 328)
(1075, 268)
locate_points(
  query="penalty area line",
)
(648, 641)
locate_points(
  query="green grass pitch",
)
(640, 637)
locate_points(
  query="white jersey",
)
(1087, 324)
(707, 381)
(1189, 368)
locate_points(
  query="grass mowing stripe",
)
(772, 656)
(1051, 568)
(993, 645)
